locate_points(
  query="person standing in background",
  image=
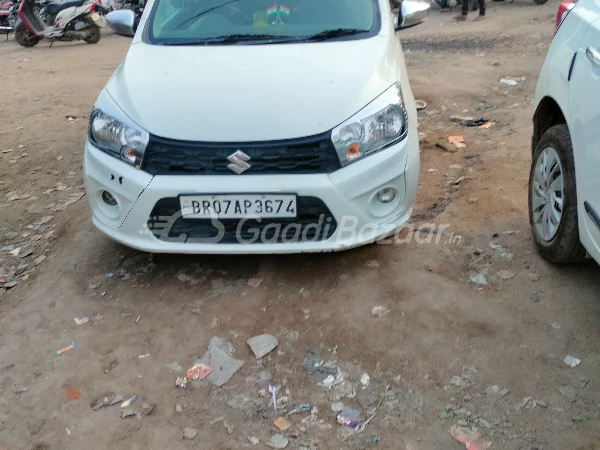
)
(465, 11)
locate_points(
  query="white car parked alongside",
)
(564, 194)
(254, 126)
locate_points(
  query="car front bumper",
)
(348, 193)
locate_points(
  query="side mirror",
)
(412, 13)
(122, 22)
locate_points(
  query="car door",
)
(584, 104)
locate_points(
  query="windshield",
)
(205, 22)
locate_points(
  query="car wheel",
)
(553, 198)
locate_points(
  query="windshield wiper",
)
(231, 39)
(332, 34)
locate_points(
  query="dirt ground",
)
(445, 354)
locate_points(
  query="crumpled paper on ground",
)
(470, 438)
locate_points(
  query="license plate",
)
(95, 17)
(238, 206)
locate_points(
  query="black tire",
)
(93, 32)
(26, 39)
(565, 247)
(541, 2)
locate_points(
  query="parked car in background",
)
(564, 188)
(249, 127)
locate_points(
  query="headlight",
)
(111, 131)
(378, 125)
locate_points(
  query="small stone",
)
(146, 409)
(540, 403)
(127, 412)
(238, 401)
(95, 284)
(555, 325)
(189, 433)
(533, 277)
(178, 408)
(39, 259)
(373, 264)
(337, 406)
(506, 274)
(462, 423)
(255, 282)
(10, 284)
(229, 427)
(456, 381)
(524, 403)
(571, 361)
(568, 392)
(277, 441)
(263, 344)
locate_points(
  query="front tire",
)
(26, 39)
(93, 35)
(553, 198)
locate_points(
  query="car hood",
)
(251, 92)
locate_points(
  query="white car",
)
(254, 126)
(564, 194)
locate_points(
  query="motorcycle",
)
(65, 21)
(6, 6)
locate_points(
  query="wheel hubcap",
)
(547, 192)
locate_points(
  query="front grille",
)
(166, 223)
(314, 154)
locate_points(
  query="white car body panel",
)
(578, 101)
(236, 94)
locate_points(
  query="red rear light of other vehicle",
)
(93, 7)
(563, 11)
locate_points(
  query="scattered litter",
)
(578, 418)
(420, 104)
(445, 147)
(73, 394)
(126, 403)
(65, 349)
(379, 311)
(15, 252)
(508, 81)
(458, 141)
(228, 427)
(189, 433)
(253, 440)
(313, 364)
(474, 122)
(174, 367)
(10, 366)
(277, 441)
(461, 118)
(584, 382)
(262, 345)
(71, 118)
(146, 355)
(568, 391)
(365, 379)
(500, 249)
(199, 371)
(535, 298)
(255, 282)
(300, 408)
(106, 400)
(555, 325)
(478, 278)
(218, 356)
(80, 320)
(506, 274)
(348, 417)
(373, 264)
(524, 403)
(571, 361)
(181, 382)
(282, 423)
(273, 392)
(138, 319)
(337, 406)
(327, 382)
(372, 440)
(178, 408)
(470, 438)
(497, 391)
(486, 125)
(216, 420)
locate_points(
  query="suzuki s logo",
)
(238, 162)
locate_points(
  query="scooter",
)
(6, 7)
(65, 21)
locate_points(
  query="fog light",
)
(108, 198)
(386, 195)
